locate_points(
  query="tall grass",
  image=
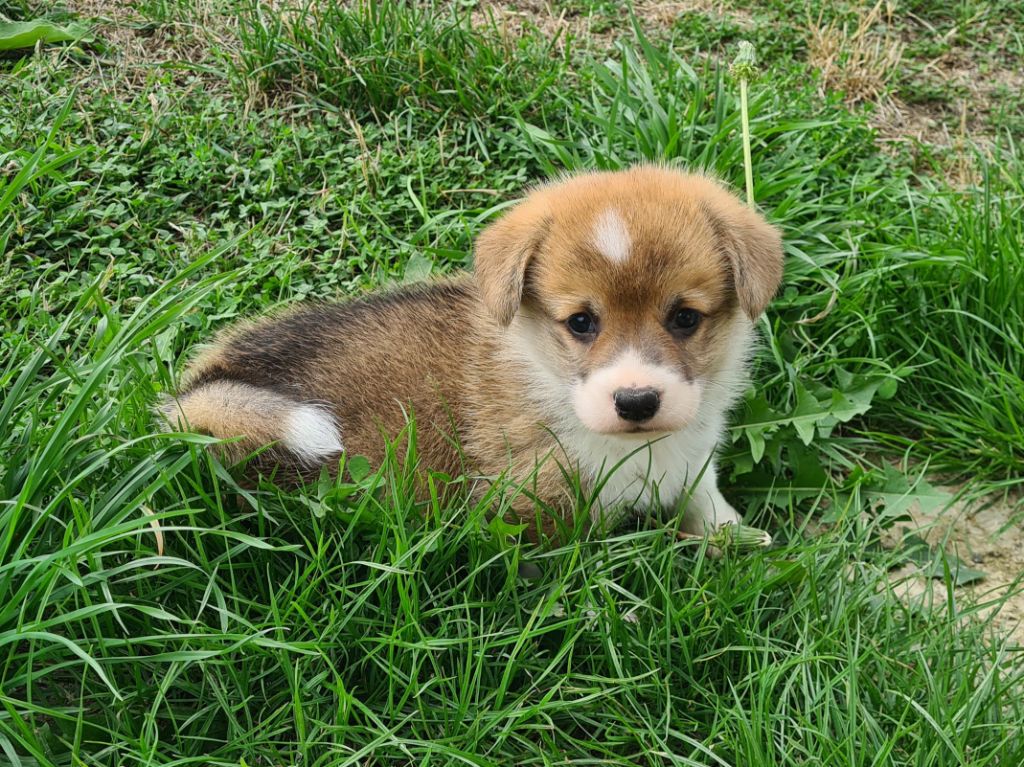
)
(348, 624)
(957, 319)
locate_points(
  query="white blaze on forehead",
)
(311, 433)
(611, 238)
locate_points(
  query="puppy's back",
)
(320, 379)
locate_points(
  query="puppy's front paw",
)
(720, 514)
(708, 512)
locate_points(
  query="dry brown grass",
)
(137, 50)
(586, 31)
(860, 60)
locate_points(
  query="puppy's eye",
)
(685, 321)
(582, 324)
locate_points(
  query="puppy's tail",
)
(300, 433)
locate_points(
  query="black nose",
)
(636, 404)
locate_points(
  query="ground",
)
(203, 160)
(983, 536)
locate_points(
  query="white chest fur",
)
(628, 472)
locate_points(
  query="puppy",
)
(604, 330)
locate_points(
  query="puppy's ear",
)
(754, 249)
(503, 252)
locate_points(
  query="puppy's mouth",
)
(612, 426)
(646, 431)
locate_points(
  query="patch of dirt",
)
(973, 533)
(951, 125)
(662, 14)
(871, 59)
(974, 82)
(134, 48)
(512, 18)
(860, 60)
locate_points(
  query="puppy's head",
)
(630, 294)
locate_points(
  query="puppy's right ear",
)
(503, 252)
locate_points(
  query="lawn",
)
(196, 161)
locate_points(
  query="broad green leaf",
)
(759, 421)
(807, 414)
(888, 388)
(418, 268)
(25, 34)
(358, 467)
(934, 564)
(499, 527)
(959, 572)
(896, 494)
(853, 402)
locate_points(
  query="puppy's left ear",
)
(754, 250)
(503, 252)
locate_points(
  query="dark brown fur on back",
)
(370, 361)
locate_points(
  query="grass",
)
(392, 57)
(155, 612)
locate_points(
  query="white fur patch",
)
(611, 238)
(311, 433)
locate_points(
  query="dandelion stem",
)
(748, 165)
(744, 69)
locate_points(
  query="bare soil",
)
(136, 52)
(983, 538)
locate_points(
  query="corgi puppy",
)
(605, 330)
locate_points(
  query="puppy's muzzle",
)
(637, 405)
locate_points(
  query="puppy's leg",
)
(543, 503)
(302, 433)
(539, 496)
(708, 510)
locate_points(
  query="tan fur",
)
(231, 409)
(475, 358)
